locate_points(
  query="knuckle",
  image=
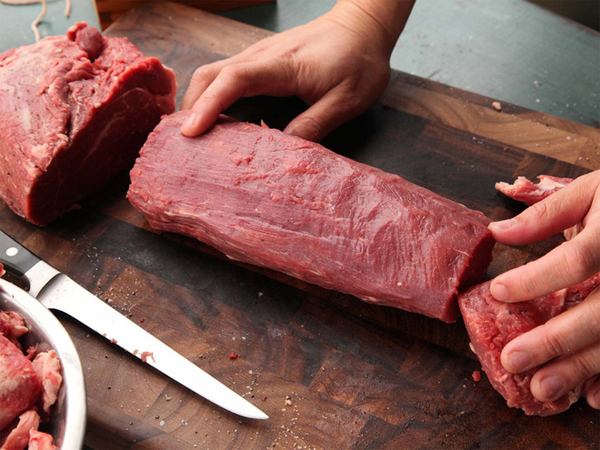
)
(234, 72)
(545, 212)
(210, 96)
(594, 314)
(201, 73)
(584, 365)
(351, 102)
(290, 72)
(311, 125)
(540, 210)
(527, 281)
(578, 260)
(553, 342)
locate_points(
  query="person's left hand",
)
(338, 64)
(568, 345)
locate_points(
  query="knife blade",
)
(57, 291)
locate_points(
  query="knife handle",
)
(14, 256)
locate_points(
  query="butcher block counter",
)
(331, 371)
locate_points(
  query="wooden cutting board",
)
(331, 371)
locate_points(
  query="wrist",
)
(383, 20)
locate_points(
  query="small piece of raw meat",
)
(47, 366)
(20, 386)
(528, 192)
(74, 112)
(492, 324)
(270, 199)
(12, 326)
(39, 440)
(19, 436)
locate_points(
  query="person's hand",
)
(338, 63)
(569, 344)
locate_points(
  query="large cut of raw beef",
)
(74, 111)
(278, 201)
(492, 324)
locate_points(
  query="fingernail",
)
(551, 386)
(190, 121)
(519, 361)
(499, 292)
(504, 224)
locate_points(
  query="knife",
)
(57, 291)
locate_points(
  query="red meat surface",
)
(74, 112)
(270, 199)
(12, 325)
(492, 324)
(40, 441)
(24, 385)
(20, 386)
(47, 366)
(528, 192)
(19, 436)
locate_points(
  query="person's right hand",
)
(567, 347)
(338, 63)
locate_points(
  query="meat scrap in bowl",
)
(29, 384)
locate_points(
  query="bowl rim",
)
(38, 317)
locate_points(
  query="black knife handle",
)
(14, 256)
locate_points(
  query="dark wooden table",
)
(331, 371)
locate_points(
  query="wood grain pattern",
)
(330, 370)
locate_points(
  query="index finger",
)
(202, 78)
(232, 83)
(552, 215)
(566, 265)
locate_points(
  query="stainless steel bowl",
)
(68, 418)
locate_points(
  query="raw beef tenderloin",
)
(74, 111)
(278, 201)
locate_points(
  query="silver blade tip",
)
(254, 414)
